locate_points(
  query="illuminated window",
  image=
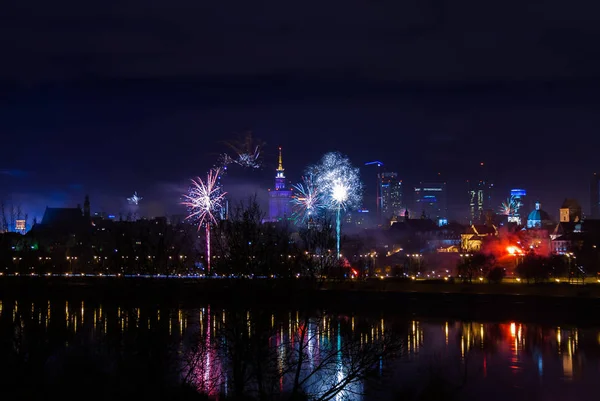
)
(20, 225)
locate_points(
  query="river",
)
(114, 350)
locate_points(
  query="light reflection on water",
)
(497, 357)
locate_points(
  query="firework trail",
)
(339, 184)
(204, 201)
(307, 201)
(135, 199)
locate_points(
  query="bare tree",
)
(319, 245)
(15, 215)
(315, 356)
(246, 246)
(341, 368)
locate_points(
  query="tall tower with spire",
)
(280, 175)
(281, 196)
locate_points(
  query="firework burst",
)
(135, 199)
(510, 206)
(205, 201)
(340, 186)
(307, 200)
(338, 182)
(247, 152)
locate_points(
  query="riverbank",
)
(186, 287)
(573, 303)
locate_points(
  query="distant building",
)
(480, 200)
(430, 200)
(361, 218)
(472, 240)
(424, 236)
(20, 226)
(281, 196)
(64, 219)
(391, 195)
(538, 218)
(519, 197)
(570, 211)
(567, 243)
(595, 196)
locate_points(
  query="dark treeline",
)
(242, 245)
(246, 246)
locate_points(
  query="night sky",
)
(129, 95)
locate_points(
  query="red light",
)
(513, 250)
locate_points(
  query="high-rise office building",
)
(378, 198)
(390, 188)
(280, 198)
(517, 203)
(430, 200)
(595, 196)
(480, 200)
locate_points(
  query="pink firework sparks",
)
(204, 201)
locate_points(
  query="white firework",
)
(135, 199)
(339, 184)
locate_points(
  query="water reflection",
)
(320, 353)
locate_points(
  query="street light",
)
(71, 259)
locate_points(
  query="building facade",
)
(390, 188)
(570, 211)
(280, 206)
(480, 200)
(538, 218)
(430, 200)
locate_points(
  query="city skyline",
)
(435, 88)
(110, 168)
(258, 182)
(299, 200)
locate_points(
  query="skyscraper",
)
(480, 200)
(280, 198)
(430, 200)
(378, 198)
(518, 198)
(390, 188)
(595, 196)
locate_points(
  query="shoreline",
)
(590, 289)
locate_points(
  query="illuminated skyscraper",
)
(390, 188)
(430, 201)
(378, 198)
(280, 198)
(480, 200)
(595, 196)
(518, 197)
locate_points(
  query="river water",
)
(119, 349)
